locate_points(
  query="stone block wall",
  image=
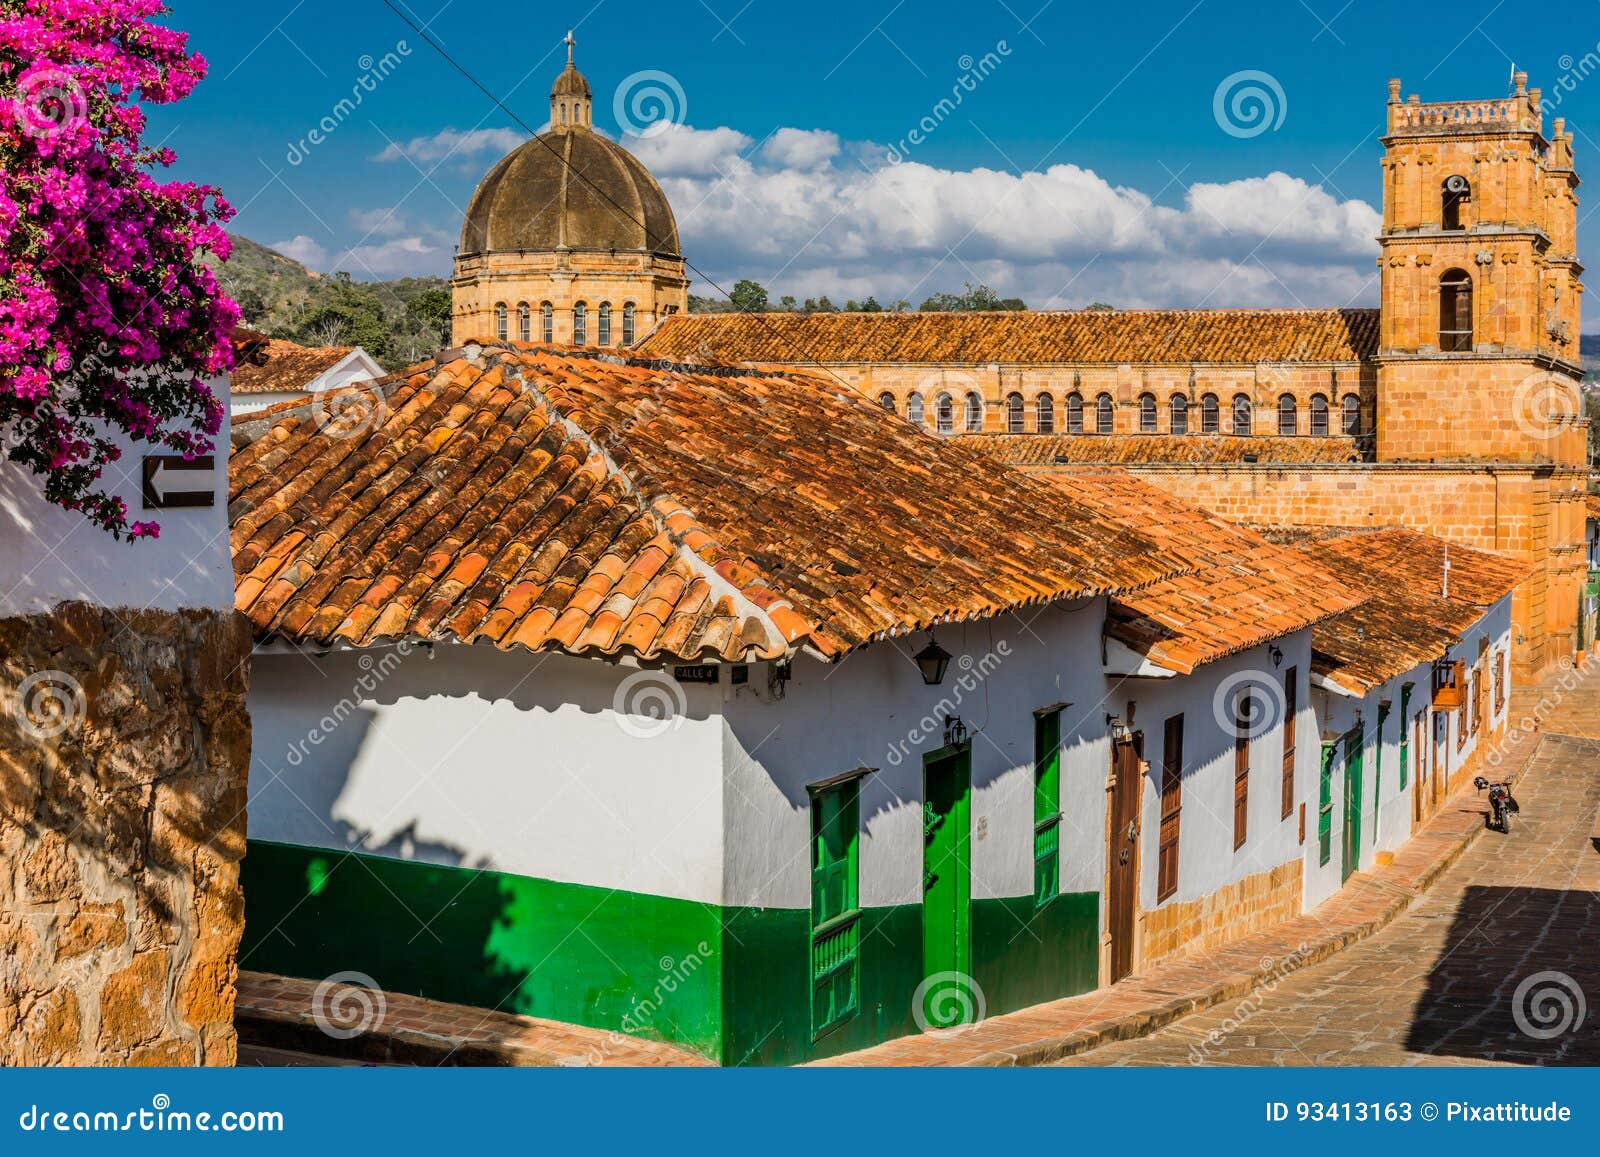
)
(1225, 915)
(124, 749)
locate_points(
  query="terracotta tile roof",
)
(1130, 449)
(556, 499)
(1092, 336)
(1243, 590)
(275, 365)
(1478, 578)
(1407, 621)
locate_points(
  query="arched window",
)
(974, 413)
(605, 323)
(1210, 422)
(1455, 312)
(1288, 416)
(1457, 192)
(1352, 414)
(1241, 413)
(580, 324)
(1147, 413)
(886, 400)
(629, 321)
(1180, 414)
(1319, 416)
(1045, 407)
(944, 411)
(1016, 416)
(547, 322)
(1074, 413)
(914, 409)
(500, 321)
(524, 322)
(1105, 415)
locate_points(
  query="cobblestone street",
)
(1483, 969)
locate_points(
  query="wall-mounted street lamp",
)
(933, 660)
(1275, 653)
(1119, 729)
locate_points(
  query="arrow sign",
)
(170, 482)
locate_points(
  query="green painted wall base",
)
(732, 984)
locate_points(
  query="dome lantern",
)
(571, 106)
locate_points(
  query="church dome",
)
(569, 188)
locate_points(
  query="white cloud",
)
(680, 150)
(304, 250)
(398, 257)
(455, 145)
(801, 148)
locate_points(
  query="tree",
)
(972, 299)
(748, 297)
(110, 322)
(431, 310)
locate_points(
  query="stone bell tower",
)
(1478, 343)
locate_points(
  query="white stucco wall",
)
(51, 555)
(486, 759)
(1207, 859)
(874, 710)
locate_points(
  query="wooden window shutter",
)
(1241, 772)
(1291, 708)
(1171, 807)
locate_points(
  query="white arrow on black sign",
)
(164, 481)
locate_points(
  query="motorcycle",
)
(1502, 804)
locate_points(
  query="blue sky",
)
(1086, 159)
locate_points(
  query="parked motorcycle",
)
(1502, 804)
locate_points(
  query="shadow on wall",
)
(1518, 980)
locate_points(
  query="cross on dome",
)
(570, 102)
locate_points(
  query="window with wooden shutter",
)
(1241, 770)
(1046, 806)
(1291, 710)
(1405, 732)
(835, 906)
(1325, 805)
(1171, 808)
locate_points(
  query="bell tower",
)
(1478, 335)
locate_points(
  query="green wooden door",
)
(946, 885)
(1352, 804)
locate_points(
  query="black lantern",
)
(933, 660)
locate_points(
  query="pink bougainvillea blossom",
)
(110, 322)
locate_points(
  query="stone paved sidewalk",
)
(1149, 1001)
(276, 1019)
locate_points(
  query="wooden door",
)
(1352, 805)
(1122, 853)
(1419, 773)
(946, 877)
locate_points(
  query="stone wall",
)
(1223, 916)
(124, 749)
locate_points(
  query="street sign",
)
(172, 481)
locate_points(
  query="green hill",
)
(398, 322)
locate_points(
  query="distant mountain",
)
(1589, 351)
(398, 322)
